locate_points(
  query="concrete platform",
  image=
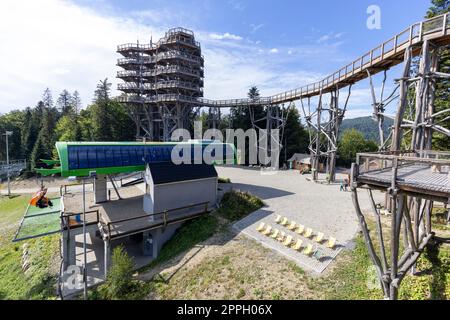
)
(72, 282)
(131, 205)
(321, 207)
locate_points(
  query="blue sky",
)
(276, 45)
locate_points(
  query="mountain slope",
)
(367, 126)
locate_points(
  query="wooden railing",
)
(437, 26)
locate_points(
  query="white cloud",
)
(57, 44)
(224, 36)
(255, 27)
(330, 36)
(237, 5)
(60, 45)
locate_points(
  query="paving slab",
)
(320, 206)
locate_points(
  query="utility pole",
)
(92, 175)
(84, 242)
(7, 134)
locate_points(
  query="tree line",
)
(36, 129)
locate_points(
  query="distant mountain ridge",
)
(367, 126)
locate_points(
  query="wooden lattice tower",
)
(414, 181)
(162, 82)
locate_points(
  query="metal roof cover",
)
(163, 173)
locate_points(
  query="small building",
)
(169, 186)
(302, 162)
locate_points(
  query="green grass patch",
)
(432, 280)
(236, 205)
(439, 219)
(294, 267)
(354, 277)
(190, 234)
(350, 277)
(12, 210)
(119, 284)
(224, 180)
(38, 282)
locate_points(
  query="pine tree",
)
(76, 102)
(120, 123)
(438, 7)
(65, 103)
(27, 140)
(44, 144)
(47, 98)
(101, 119)
(442, 94)
(295, 136)
(240, 116)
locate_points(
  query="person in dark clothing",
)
(42, 201)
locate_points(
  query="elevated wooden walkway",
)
(417, 173)
(382, 57)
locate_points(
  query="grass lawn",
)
(354, 277)
(38, 280)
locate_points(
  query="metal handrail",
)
(66, 216)
(164, 213)
(160, 56)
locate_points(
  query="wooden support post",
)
(315, 165)
(403, 95)
(368, 240)
(379, 232)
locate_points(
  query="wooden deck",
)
(416, 178)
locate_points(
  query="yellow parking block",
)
(331, 243)
(278, 219)
(261, 227)
(308, 250)
(298, 245)
(300, 229)
(320, 237)
(281, 237)
(308, 233)
(267, 231)
(275, 233)
(292, 225)
(288, 241)
(284, 222)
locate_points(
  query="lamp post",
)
(7, 134)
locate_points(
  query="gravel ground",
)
(319, 206)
